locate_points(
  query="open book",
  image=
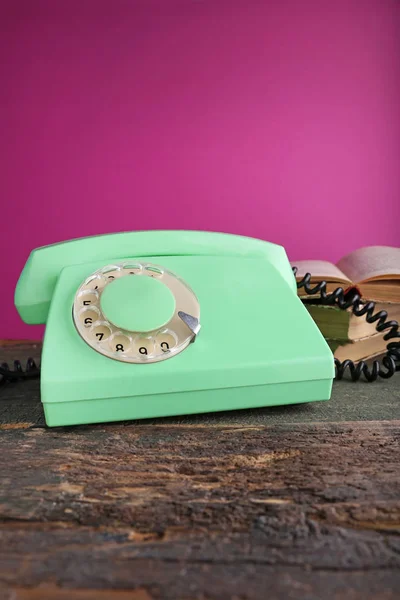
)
(363, 349)
(374, 271)
(337, 324)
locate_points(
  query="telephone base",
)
(258, 347)
(185, 403)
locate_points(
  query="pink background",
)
(274, 119)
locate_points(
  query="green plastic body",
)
(258, 346)
(138, 303)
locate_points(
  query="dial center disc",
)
(137, 303)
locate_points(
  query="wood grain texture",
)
(188, 512)
(209, 508)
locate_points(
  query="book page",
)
(361, 349)
(373, 261)
(320, 270)
(381, 290)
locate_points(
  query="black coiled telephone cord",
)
(344, 300)
(32, 371)
(351, 299)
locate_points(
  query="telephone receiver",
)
(158, 323)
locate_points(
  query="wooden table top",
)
(298, 502)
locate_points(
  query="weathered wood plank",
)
(187, 581)
(299, 511)
(209, 507)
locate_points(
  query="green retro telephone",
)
(149, 324)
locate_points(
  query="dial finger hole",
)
(153, 271)
(143, 346)
(100, 331)
(88, 316)
(119, 342)
(88, 298)
(166, 340)
(132, 268)
(94, 283)
(111, 272)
